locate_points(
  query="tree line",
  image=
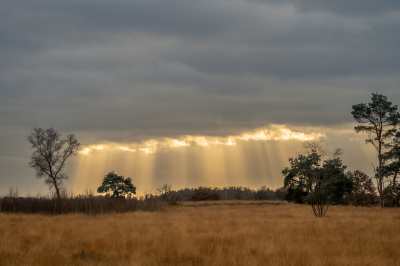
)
(68, 203)
(121, 199)
(226, 193)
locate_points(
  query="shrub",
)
(264, 193)
(166, 193)
(295, 195)
(280, 193)
(204, 193)
(363, 192)
(261, 195)
(390, 198)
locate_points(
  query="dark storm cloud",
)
(127, 71)
(136, 69)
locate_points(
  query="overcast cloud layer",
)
(126, 71)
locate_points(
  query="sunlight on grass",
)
(249, 234)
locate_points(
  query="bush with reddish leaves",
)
(364, 191)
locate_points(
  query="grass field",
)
(206, 234)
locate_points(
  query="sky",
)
(189, 93)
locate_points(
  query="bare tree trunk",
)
(380, 190)
(57, 190)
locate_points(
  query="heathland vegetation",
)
(92, 204)
(215, 226)
(226, 234)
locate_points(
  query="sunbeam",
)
(252, 159)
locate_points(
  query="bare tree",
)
(316, 146)
(319, 147)
(170, 196)
(49, 157)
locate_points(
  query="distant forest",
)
(92, 204)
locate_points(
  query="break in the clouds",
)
(129, 71)
(273, 132)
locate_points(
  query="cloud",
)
(270, 133)
(131, 69)
(340, 7)
(124, 72)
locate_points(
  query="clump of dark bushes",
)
(232, 193)
(204, 193)
(264, 193)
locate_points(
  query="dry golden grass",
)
(231, 202)
(267, 234)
